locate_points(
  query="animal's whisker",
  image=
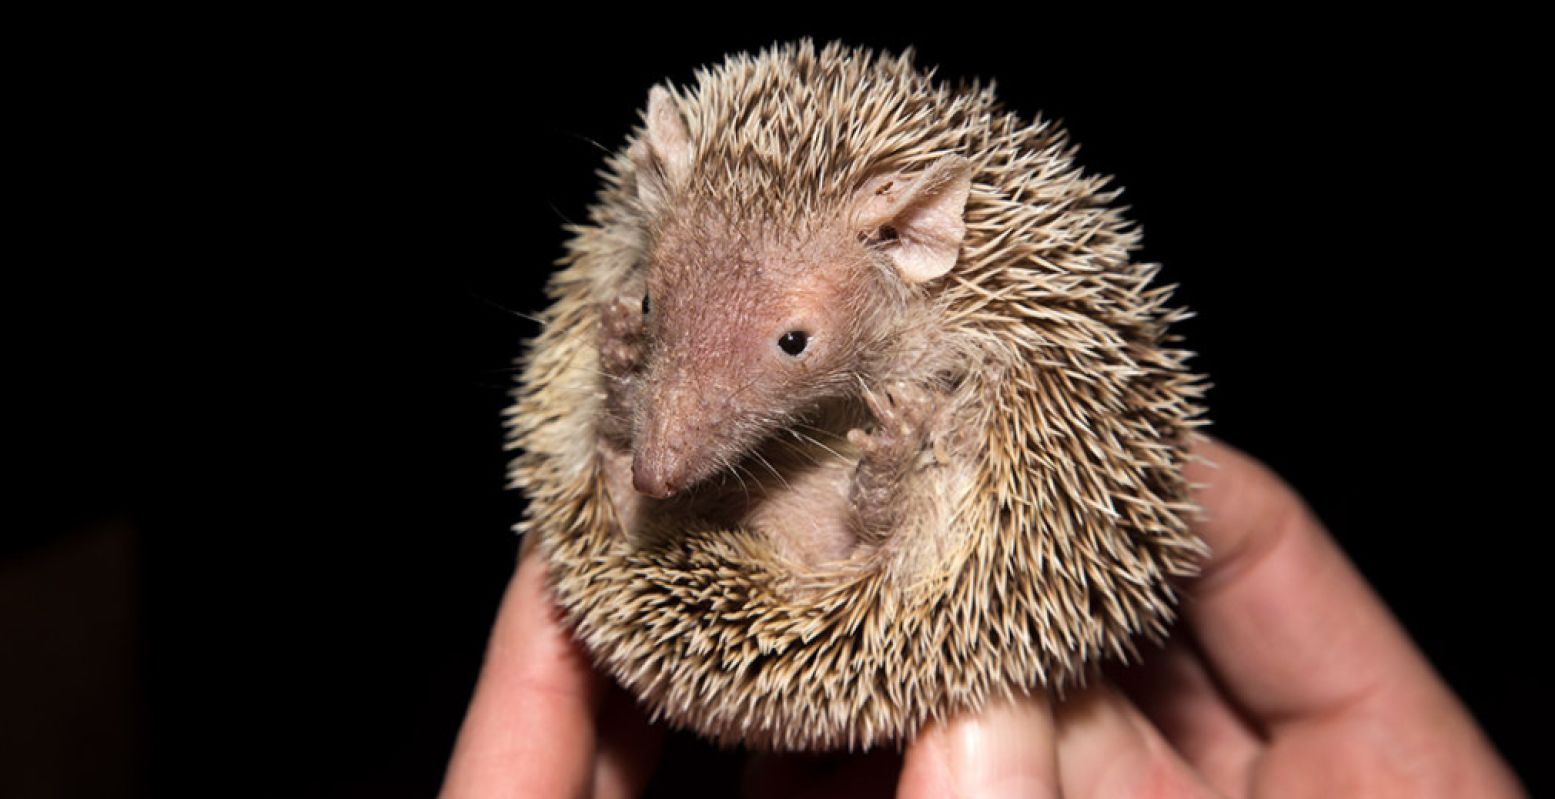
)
(775, 473)
(600, 147)
(815, 441)
(804, 452)
(734, 469)
(499, 306)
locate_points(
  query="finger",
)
(1106, 748)
(530, 728)
(1285, 621)
(1176, 694)
(1301, 642)
(1006, 750)
(628, 747)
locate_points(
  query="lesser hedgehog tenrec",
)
(852, 409)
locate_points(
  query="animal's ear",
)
(663, 154)
(917, 219)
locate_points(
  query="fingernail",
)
(1005, 751)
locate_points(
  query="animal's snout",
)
(654, 477)
(660, 467)
(676, 446)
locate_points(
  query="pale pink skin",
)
(1288, 678)
(696, 372)
(705, 398)
(712, 376)
(699, 378)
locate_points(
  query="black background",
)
(273, 272)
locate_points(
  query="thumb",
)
(1006, 750)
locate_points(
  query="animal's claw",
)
(902, 412)
(622, 319)
(905, 415)
(621, 331)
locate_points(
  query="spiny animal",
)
(852, 409)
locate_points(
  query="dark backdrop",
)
(274, 281)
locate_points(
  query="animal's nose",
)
(655, 473)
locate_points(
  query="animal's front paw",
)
(621, 337)
(621, 351)
(902, 412)
(903, 415)
(906, 416)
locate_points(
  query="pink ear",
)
(663, 154)
(924, 211)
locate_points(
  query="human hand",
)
(543, 723)
(1287, 677)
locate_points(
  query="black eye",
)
(645, 305)
(794, 341)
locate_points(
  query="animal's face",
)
(745, 333)
(750, 322)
